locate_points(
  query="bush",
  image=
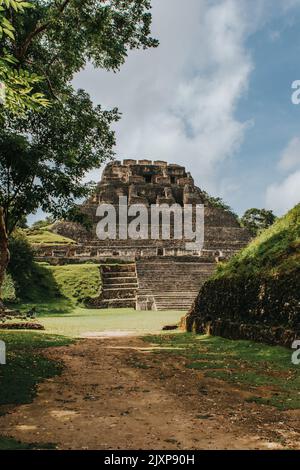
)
(8, 289)
(33, 282)
(21, 261)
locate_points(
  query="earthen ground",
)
(114, 393)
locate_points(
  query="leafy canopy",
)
(257, 220)
(16, 83)
(56, 39)
(47, 170)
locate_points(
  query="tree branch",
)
(38, 30)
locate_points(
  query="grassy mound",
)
(74, 283)
(77, 281)
(256, 295)
(275, 251)
(45, 237)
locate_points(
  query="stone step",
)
(175, 297)
(117, 303)
(170, 307)
(174, 273)
(120, 279)
(174, 301)
(118, 293)
(121, 275)
(160, 291)
(119, 286)
(153, 275)
(132, 285)
(176, 285)
(172, 285)
(118, 268)
(186, 304)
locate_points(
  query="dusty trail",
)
(114, 394)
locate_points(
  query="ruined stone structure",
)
(154, 274)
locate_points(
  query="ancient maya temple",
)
(148, 274)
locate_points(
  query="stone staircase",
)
(119, 286)
(156, 284)
(170, 285)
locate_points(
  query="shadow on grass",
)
(8, 443)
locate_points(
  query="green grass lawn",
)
(7, 443)
(266, 371)
(80, 321)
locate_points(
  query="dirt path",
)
(114, 394)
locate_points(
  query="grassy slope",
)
(275, 251)
(45, 237)
(78, 281)
(70, 282)
(266, 372)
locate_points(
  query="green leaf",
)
(9, 33)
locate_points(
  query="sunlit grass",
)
(79, 321)
(45, 237)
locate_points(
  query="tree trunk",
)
(4, 253)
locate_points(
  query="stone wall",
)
(261, 309)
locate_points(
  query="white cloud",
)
(179, 101)
(290, 158)
(284, 196)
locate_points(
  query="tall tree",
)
(17, 97)
(55, 40)
(256, 220)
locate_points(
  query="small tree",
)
(256, 220)
(47, 170)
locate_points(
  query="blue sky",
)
(215, 97)
(275, 50)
